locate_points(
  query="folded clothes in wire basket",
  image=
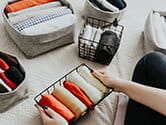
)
(41, 28)
(99, 40)
(13, 82)
(75, 94)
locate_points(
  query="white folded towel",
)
(36, 8)
(158, 27)
(108, 5)
(94, 94)
(30, 14)
(98, 35)
(87, 75)
(51, 25)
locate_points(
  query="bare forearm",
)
(149, 96)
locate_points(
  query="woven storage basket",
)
(34, 45)
(10, 99)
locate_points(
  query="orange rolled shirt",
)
(78, 92)
(57, 106)
(23, 4)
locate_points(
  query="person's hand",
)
(49, 117)
(109, 80)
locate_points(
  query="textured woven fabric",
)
(35, 8)
(31, 14)
(36, 20)
(23, 4)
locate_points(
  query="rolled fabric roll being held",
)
(107, 47)
(94, 94)
(87, 75)
(70, 101)
(78, 92)
(57, 106)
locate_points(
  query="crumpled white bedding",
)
(44, 70)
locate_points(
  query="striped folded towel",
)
(39, 19)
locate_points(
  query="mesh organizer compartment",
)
(59, 83)
(88, 51)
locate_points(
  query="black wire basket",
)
(87, 51)
(59, 83)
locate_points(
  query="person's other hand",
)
(109, 80)
(49, 117)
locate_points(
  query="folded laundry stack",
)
(108, 10)
(34, 22)
(98, 44)
(76, 95)
(155, 31)
(13, 88)
(32, 17)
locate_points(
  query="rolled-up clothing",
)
(70, 101)
(94, 94)
(40, 19)
(57, 106)
(107, 47)
(3, 87)
(7, 81)
(3, 65)
(23, 4)
(51, 25)
(118, 3)
(35, 8)
(108, 5)
(87, 75)
(27, 15)
(78, 92)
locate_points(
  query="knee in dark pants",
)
(151, 69)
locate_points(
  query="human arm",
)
(152, 97)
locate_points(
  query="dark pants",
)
(150, 71)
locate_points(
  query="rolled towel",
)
(51, 25)
(27, 15)
(98, 35)
(78, 92)
(108, 5)
(3, 87)
(158, 29)
(12, 61)
(87, 75)
(3, 65)
(40, 19)
(23, 4)
(7, 81)
(97, 4)
(94, 94)
(107, 47)
(35, 8)
(70, 101)
(57, 106)
(118, 3)
(14, 75)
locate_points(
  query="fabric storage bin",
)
(150, 35)
(88, 51)
(10, 99)
(91, 11)
(34, 45)
(59, 83)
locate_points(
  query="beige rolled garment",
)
(94, 94)
(70, 101)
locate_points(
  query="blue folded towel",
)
(39, 19)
